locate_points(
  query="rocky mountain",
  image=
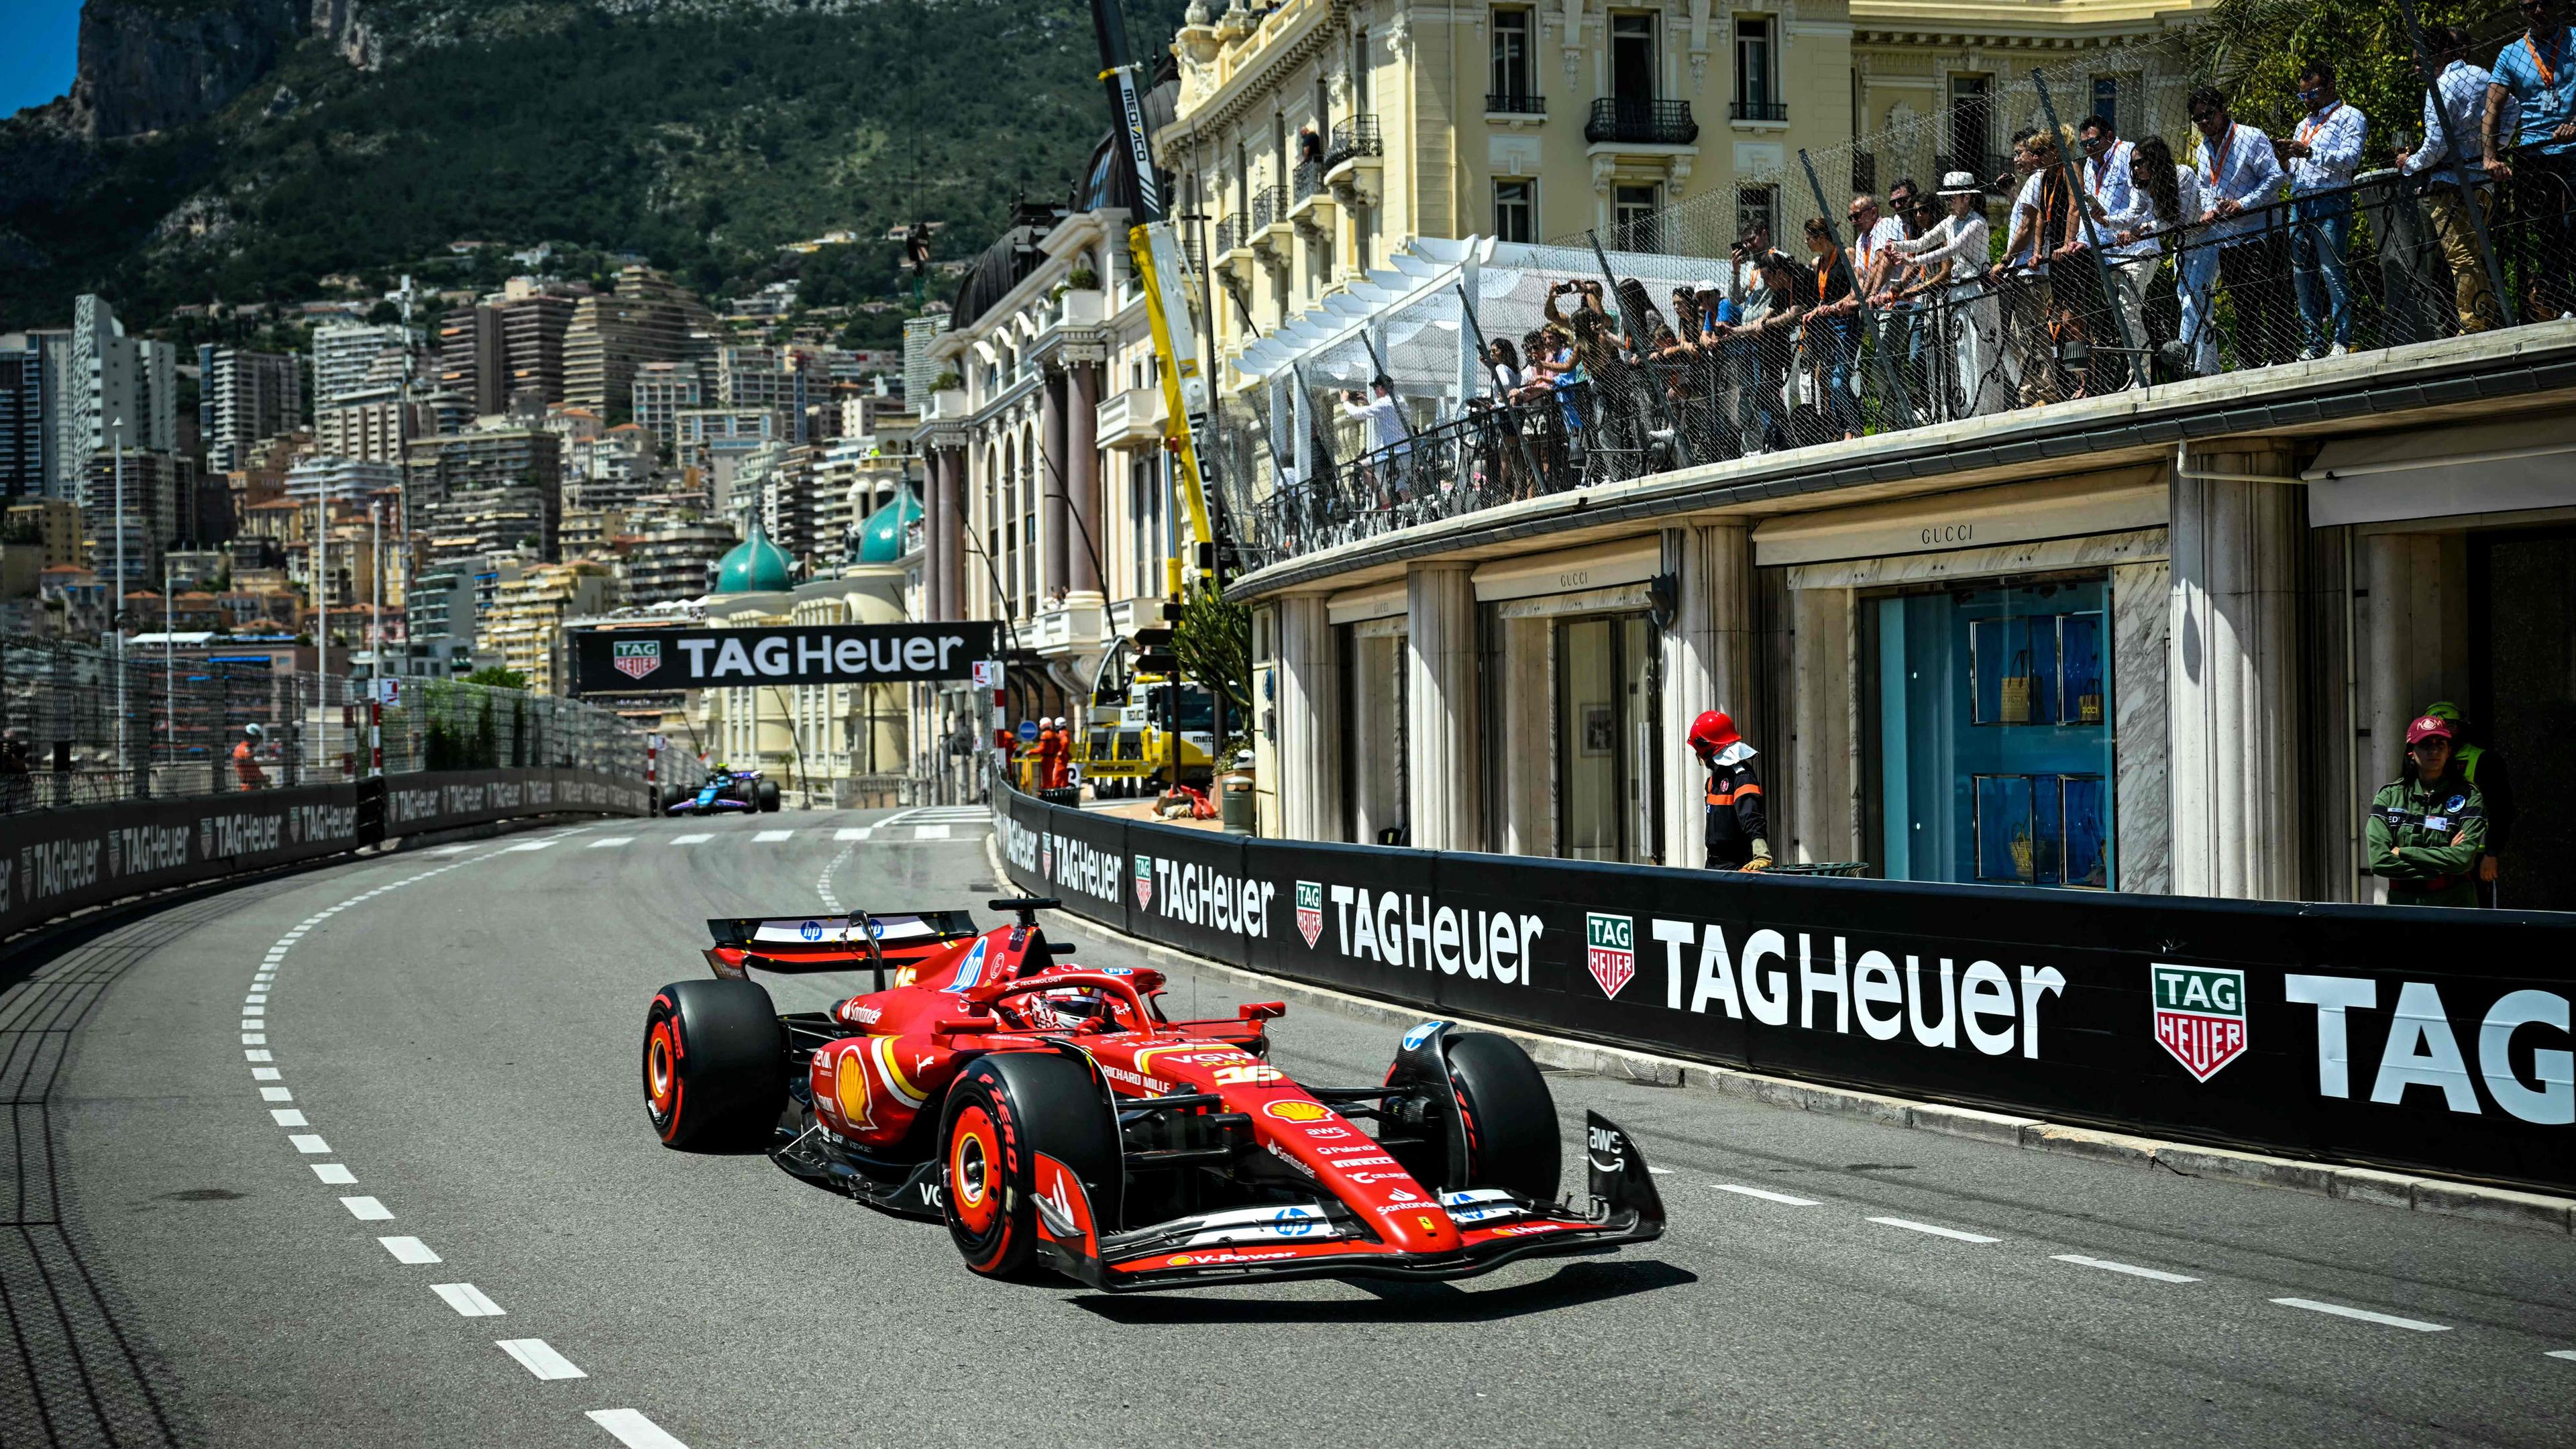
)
(241, 150)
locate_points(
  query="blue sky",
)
(39, 44)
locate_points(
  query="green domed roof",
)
(756, 566)
(881, 537)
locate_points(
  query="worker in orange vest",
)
(1060, 769)
(1738, 827)
(245, 758)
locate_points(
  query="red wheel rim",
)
(974, 1171)
(661, 1072)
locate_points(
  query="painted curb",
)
(2376, 1186)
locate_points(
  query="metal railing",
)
(1514, 103)
(1634, 384)
(1757, 110)
(79, 727)
(1269, 204)
(1353, 136)
(1229, 234)
(1306, 180)
(1641, 122)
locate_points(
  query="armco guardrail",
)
(2405, 1037)
(58, 861)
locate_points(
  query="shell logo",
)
(1178, 1260)
(1299, 1111)
(851, 1090)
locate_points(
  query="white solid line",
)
(265, 1074)
(691, 839)
(258, 1055)
(334, 1174)
(2365, 1315)
(930, 832)
(768, 836)
(539, 1358)
(408, 1250)
(2565, 1353)
(451, 850)
(367, 1209)
(468, 1300)
(633, 1430)
(276, 1094)
(1914, 1227)
(603, 844)
(854, 832)
(310, 1143)
(1766, 1194)
(2132, 1269)
(288, 1117)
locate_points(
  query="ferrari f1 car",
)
(1050, 1113)
(728, 792)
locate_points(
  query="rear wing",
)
(789, 944)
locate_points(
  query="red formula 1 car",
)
(1049, 1112)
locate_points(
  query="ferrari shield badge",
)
(1144, 881)
(2200, 1016)
(1610, 950)
(1310, 910)
(636, 658)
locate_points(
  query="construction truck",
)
(1138, 729)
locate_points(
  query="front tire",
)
(1004, 1110)
(1508, 1116)
(713, 1065)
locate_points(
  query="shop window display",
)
(1992, 723)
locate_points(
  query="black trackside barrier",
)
(2399, 1037)
(53, 862)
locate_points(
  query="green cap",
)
(2443, 709)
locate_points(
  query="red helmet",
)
(1712, 732)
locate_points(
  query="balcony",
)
(1514, 103)
(1229, 234)
(1310, 201)
(1758, 112)
(1353, 137)
(1626, 122)
(1269, 206)
(1132, 419)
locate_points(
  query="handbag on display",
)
(2016, 688)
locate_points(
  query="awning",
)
(2499, 467)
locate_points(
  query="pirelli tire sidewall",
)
(713, 1064)
(1512, 1137)
(1002, 1111)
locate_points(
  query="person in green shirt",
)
(2428, 829)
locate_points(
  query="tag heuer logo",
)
(1310, 910)
(1610, 950)
(1144, 880)
(1046, 857)
(2200, 1016)
(635, 658)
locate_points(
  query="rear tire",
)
(766, 797)
(1004, 1110)
(1510, 1116)
(714, 1065)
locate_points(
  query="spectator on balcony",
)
(2537, 75)
(1790, 294)
(2321, 156)
(2240, 182)
(1389, 441)
(1310, 146)
(1950, 267)
(2036, 317)
(2164, 202)
(2108, 193)
(2461, 89)
(1873, 270)
(1827, 332)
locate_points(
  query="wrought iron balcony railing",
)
(1269, 204)
(1229, 234)
(1757, 110)
(1514, 103)
(1353, 136)
(1636, 122)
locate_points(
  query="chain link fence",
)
(2057, 260)
(79, 726)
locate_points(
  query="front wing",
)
(1326, 1240)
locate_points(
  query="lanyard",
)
(2102, 168)
(2548, 76)
(1824, 271)
(2309, 128)
(2218, 163)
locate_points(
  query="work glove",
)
(1761, 856)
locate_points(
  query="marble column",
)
(1440, 663)
(1310, 720)
(1825, 800)
(1052, 510)
(2232, 677)
(2141, 753)
(953, 592)
(1082, 476)
(934, 519)
(1707, 664)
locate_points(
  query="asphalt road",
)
(458, 1031)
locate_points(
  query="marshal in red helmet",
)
(1738, 829)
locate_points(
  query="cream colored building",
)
(525, 625)
(827, 746)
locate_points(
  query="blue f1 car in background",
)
(729, 792)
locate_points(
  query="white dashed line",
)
(288, 1117)
(2388, 1320)
(930, 832)
(252, 1025)
(1766, 1194)
(334, 1173)
(539, 1358)
(309, 1143)
(367, 1209)
(265, 1074)
(276, 1094)
(695, 838)
(854, 832)
(2132, 1269)
(468, 1300)
(634, 1430)
(253, 1038)
(408, 1250)
(771, 836)
(528, 845)
(256, 998)
(1912, 1226)
(605, 842)
(261, 1055)
(2565, 1353)
(450, 849)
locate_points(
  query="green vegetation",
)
(496, 677)
(1213, 639)
(702, 141)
